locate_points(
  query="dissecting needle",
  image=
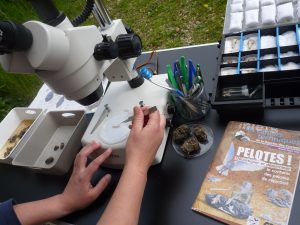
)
(102, 117)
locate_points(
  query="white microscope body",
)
(63, 57)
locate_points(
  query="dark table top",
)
(172, 185)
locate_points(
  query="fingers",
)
(81, 158)
(94, 165)
(138, 120)
(101, 185)
(145, 109)
(162, 121)
(154, 119)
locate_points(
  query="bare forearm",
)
(41, 211)
(124, 206)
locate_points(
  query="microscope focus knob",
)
(130, 45)
(106, 50)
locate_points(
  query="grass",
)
(169, 23)
(160, 24)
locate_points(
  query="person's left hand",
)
(79, 192)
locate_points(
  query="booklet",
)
(253, 177)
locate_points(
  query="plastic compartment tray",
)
(9, 125)
(295, 16)
(53, 145)
(272, 82)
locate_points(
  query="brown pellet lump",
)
(200, 134)
(190, 146)
(181, 133)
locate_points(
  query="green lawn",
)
(161, 24)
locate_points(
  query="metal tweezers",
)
(146, 113)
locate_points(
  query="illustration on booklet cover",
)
(253, 177)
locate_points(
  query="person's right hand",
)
(144, 141)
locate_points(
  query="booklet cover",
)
(252, 179)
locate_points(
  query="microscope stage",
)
(107, 126)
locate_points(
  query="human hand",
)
(79, 192)
(144, 141)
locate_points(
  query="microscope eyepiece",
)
(14, 37)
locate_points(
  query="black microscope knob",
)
(136, 82)
(129, 45)
(106, 50)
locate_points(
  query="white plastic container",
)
(9, 125)
(53, 145)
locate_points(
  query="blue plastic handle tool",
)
(146, 73)
(179, 93)
(192, 73)
(174, 68)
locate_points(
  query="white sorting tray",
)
(10, 123)
(53, 145)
